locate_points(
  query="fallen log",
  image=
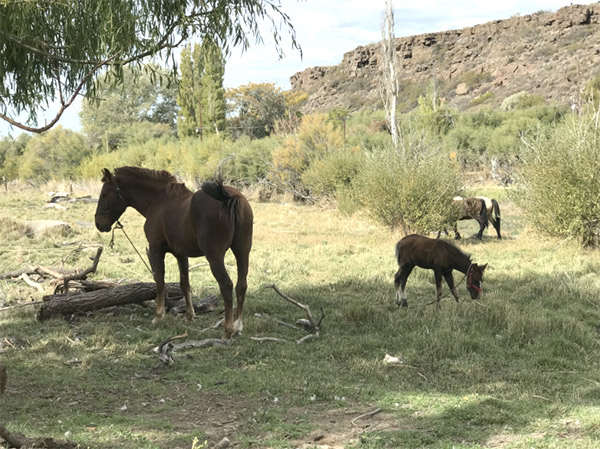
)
(98, 299)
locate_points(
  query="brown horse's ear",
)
(106, 175)
(483, 267)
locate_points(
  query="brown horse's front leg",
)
(184, 283)
(157, 262)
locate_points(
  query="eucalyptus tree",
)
(52, 51)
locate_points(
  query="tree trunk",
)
(107, 297)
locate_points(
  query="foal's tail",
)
(398, 255)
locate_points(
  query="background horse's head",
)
(111, 203)
(474, 279)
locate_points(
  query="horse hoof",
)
(189, 318)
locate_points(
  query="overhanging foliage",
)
(52, 51)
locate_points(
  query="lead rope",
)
(118, 225)
(450, 291)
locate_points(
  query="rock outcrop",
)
(552, 54)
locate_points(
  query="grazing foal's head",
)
(474, 279)
(111, 203)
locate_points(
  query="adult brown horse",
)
(482, 209)
(440, 256)
(185, 224)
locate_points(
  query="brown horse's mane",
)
(160, 176)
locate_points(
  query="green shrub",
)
(560, 182)
(315, 138)
(333, 175)
(411, 189)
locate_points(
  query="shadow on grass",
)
(471, 371)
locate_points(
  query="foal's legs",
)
(438, 286)
(456, 233)
(400, 283)
(450, 282)
(217, 267)
(184, 283)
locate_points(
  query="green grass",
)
(517, 369)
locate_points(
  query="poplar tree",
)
(201, 94)
(186, 118)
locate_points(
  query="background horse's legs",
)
(217, 267)
(481, 228)
(157, 262)
(184, 283)
(400, 283)
(456, 234)
(450, 281)
(496, 224)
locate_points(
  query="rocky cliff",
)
(552, 54)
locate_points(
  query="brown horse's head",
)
(474, 279)
(111, 203)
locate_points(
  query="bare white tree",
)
(388, 82)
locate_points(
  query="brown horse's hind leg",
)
(240, 289)
(184, 283)
(217, 266)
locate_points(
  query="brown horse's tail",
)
(215, 189)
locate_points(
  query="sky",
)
(326, 29)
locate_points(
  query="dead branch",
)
(283, 340)
(374, 412)
(18, 306)
(282, 323)
(83, 275)
(31, 283)
(314, 323)
(18, 441)
(275, 339)
(166, 349)
(41, 270)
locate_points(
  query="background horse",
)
(482, 209)
(441, 257)
(185, 224)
